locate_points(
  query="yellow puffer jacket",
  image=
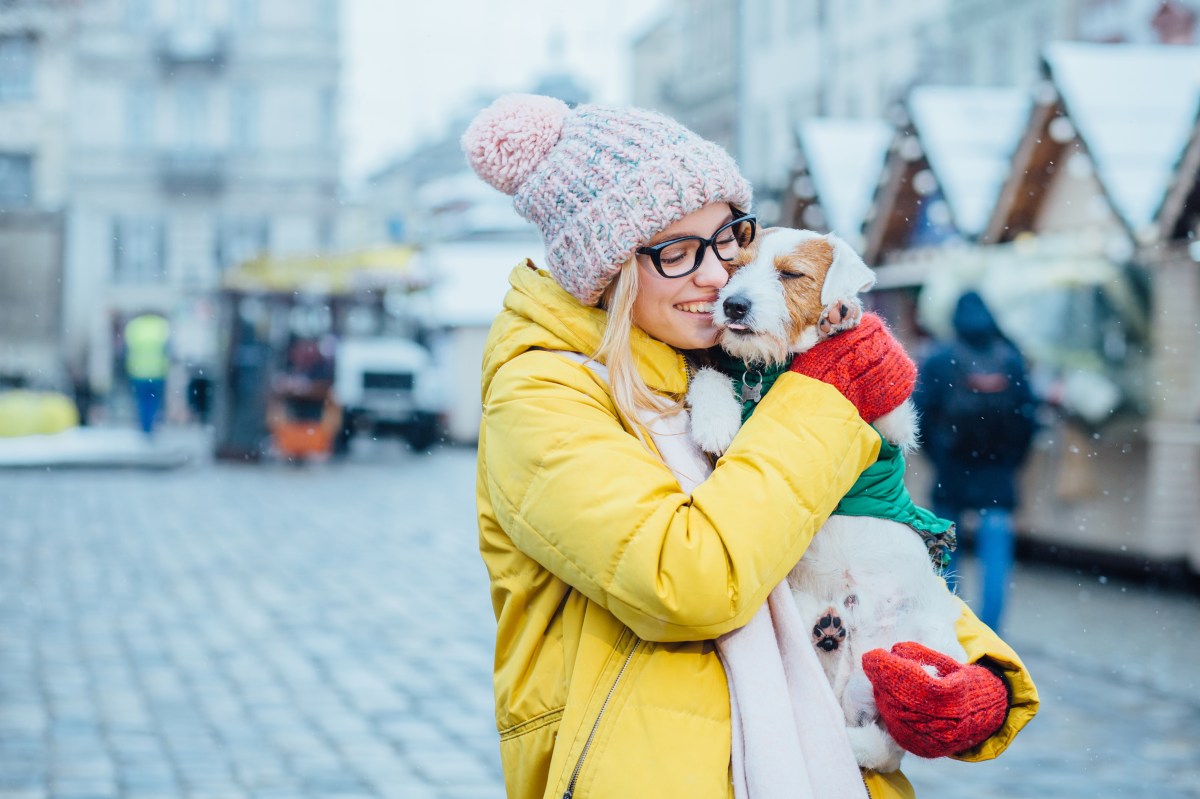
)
(609, 583)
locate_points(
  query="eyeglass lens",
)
(681, 257)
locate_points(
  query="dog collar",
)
(751, 381)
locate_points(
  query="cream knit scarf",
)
(789, 734)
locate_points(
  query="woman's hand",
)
(930, 703)
(866, 364)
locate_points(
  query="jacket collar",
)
(539, 314)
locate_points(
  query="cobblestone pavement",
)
(226, 632)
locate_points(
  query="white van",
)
(388, 386)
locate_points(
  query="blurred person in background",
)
(81, 388)
(301, 414)
(146, 339)
(610, 580)
(977, 419)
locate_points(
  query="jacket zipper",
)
(596, 725)
(689, 371)
(863, 776)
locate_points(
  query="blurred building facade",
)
(200, 134)
(470, 237)
(429, 194)
(856, 59)
(776, 63)
(689, 60)
(35, 74)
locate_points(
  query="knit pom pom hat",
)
(598, 182)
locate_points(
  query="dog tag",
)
(751, 392)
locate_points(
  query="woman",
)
(609, 582)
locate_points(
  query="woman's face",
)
(678, 311)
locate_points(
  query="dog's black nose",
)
(736, 308)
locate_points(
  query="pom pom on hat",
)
(508, 139)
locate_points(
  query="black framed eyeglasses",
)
(680, 257)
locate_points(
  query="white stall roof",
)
(1133, 106)
(471, 278)
(845, 158)
(969, 135)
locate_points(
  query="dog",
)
(864, 582)
(788, 290)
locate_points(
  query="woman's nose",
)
(712, 270)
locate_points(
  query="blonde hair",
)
(629, 390)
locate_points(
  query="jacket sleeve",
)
(577, 492)
(982, 644)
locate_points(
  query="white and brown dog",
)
(864, 583)
(788, 290)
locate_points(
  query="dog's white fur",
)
(874, 574)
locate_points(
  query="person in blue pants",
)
(146, 362)
(977, 420)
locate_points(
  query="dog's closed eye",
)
(794, 275)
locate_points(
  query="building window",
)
(139, 116)
(240, 239)
(16, 67)
(326, 233)
(139, 14)
(327, 117)
(802, 16)
(245, 14)
(243, 117)
(1001, 59)
(139, 250)
(766, 22)
(16, 179)
(328, 14)
(192, 12)
(192, 116)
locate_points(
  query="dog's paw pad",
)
(838, 317)
(828, 633)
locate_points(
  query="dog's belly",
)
(877, 574)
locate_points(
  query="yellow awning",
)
(342, 273)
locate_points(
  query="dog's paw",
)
(829, 632)
(839, 316)
(716, 414)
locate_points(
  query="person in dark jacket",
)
(977, 421)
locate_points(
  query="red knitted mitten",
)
(866, 364)
(935, 715)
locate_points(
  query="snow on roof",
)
(1134, 107)
(969, 135)
(845, 158)
(471, 278)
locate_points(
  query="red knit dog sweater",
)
(935, 715)
(866, 364)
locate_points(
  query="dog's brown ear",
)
(744, 256)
